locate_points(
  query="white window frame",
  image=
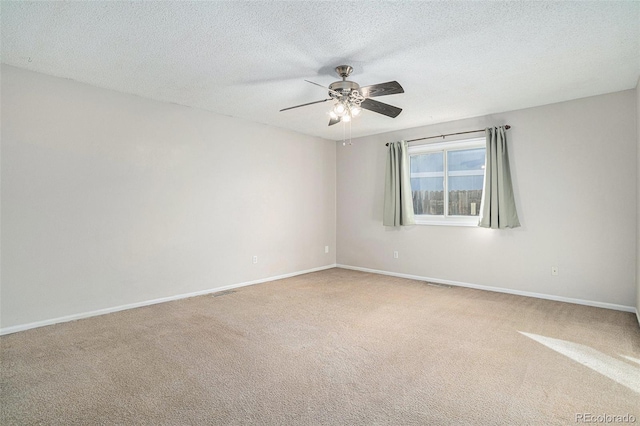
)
(444, 147)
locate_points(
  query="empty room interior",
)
(320, 213)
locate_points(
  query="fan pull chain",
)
(344, 133)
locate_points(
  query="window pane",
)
(428, 195)
(466, 159)
(465, 180)
(427, 162)
(427, 183)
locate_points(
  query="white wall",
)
(638, 206)
(110, 199)
(573, 166)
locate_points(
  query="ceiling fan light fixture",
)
(346, 118)
(333, 115)
(339, 109)
(355, 110)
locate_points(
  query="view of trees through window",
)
(462, 182)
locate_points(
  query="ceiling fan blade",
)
(381, 108)
(309, 103)
(325, 87)
(382, 89)
(333, 121)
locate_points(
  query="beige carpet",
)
(335, 347)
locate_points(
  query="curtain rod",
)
(449, 134)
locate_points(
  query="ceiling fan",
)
(350, 98)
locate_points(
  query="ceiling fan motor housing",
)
(343, 87)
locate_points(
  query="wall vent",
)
(437, 284)
(222, 293)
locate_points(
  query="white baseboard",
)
(23, 327)
(499, 290)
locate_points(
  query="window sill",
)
(448, 222)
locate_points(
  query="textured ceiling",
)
(249, 59)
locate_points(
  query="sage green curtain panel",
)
(498, 208)
(398, 201)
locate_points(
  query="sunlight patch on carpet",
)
(632, 359)
(619, 371)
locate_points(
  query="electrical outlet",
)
(395, 254)
(326, 249)
(554, 270)
(255, 259)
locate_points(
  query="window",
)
(447, 181)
